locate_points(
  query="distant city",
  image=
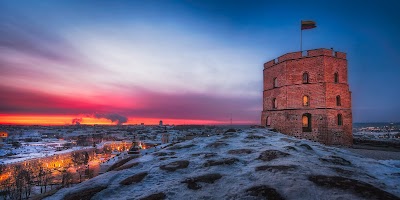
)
(60, 156)
(377, 130)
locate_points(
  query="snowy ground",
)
(30, 152)
(289, 172)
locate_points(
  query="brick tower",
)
(306, 94)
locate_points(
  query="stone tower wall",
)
(322, 90)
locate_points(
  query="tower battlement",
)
(306, 94)
(306, 53)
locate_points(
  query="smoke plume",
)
(77, 121)
(119, 119)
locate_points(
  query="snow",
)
(33, 152)
(236, 178)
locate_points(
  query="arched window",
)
(305, 77)
(338, 102)
(306, 100)
(275, 82)
(336, 77)
(339, 120)
(306, 119)
(274, 103)
(268, 121)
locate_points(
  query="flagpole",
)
(305, 25)
(301, 37)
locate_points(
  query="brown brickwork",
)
(321, 89)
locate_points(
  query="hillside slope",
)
(249, 164)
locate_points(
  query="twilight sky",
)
(182, 61)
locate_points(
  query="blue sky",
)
(203, 59)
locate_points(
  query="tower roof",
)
(305, 54)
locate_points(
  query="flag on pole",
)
(308, 25)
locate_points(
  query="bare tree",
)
(47, 178)
(85, 157)
(5, 185)
(3, 192)
(33, 169)
(67, 178)
(21, 181)
(41, 175)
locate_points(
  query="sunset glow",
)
(48, 120)
(188, 62)
(67, 120)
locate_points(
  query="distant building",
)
(306, 95)
(3, 134)
(3, 137)
(161, 123)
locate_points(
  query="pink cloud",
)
(148, 105)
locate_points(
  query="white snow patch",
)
(237, 177)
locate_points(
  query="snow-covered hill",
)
(249, 164)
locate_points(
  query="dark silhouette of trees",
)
(5, 187)
(79, 158)
(23, 181)
(67, 178)
(44, 178)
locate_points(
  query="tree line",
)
(18, 181)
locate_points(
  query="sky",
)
(183, 62)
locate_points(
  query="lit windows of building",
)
(306, 120)
(306, 100)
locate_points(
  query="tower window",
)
(306, 119)
(305, 77)
(338, 102)
(306, 100)
(336, 77)
(275, 82)
(268, 121)
(274, 103)
(339, 120)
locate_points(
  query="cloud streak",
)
(148, 104)
(113, 117)
(144, 77)
(25, 36)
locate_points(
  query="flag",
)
(308, 25)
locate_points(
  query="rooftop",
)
(305, 54)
